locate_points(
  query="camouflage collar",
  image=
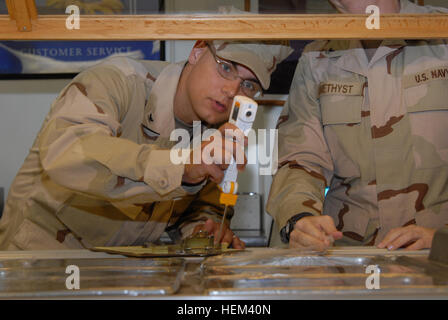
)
(354, 59)
(159, 114)
(335, 48)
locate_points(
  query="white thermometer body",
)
(242, 116)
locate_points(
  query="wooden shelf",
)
(259, 26)
(271, 103)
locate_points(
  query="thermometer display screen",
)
(236, 109)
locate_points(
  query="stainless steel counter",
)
(257, 273)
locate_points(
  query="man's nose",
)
(231, 87)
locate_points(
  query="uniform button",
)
(163, 183)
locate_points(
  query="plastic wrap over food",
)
(277, 257)
(295, 272)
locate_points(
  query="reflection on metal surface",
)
(289, 272)
(198, 245)
(201, 241)
(158, 251)
(255, 273)
(98, 277)
(439, 252)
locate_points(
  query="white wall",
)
(23, 107)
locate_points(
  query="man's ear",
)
(198, 50)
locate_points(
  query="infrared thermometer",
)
(242, 116)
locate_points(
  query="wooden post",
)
(22, 14)
(32, 10)
(10, 5)
(421, 2)
(22, 11)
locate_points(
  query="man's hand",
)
(314, 233)
(213, 163)
(227, 235)
(411, 237)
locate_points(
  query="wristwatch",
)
(289, 227)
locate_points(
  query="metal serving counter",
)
(260, 273)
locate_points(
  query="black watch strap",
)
(287, 229)
(186, 184)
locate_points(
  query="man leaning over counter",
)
(99, 172)
(369, 120)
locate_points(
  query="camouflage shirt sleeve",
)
(305, 162)
(81, 149)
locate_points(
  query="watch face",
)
(288, 228)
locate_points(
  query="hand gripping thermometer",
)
(242, 116)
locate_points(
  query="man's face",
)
(359, 6)
(210, 94)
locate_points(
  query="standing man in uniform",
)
(369, 120)
(100, 173)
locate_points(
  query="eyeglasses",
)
(227, 70)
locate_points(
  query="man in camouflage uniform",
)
(369, 120)
(100, 173)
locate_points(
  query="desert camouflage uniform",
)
(375, 132)
(99, 172)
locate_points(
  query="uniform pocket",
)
(30, 236)
(341, 109)
(427, 108)
(341, 120)
(341, 102)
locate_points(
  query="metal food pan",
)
(89, 263)
(259, 270)
(292, 272)
(317, 283)
(313, 280)
(97, 277)
(337, 292)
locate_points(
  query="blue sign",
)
(31, 57)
